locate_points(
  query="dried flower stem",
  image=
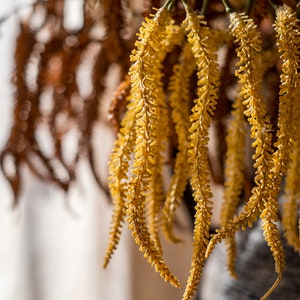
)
(208, 82)
(147, 91)
(287, 155)
(179, 101)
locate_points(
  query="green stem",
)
(186, 5)
(228, 7)
(204, 7)
(169, 4)
(249, 6)
(274, 4)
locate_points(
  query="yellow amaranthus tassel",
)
(156, 194)
(291, 211)
(287, 29)
(52, 100)
(234, 174)
(136, 167)
(288, 125)
(288, 41)
(235, 163)
(208, 82)
(179, 102)
(264, 198)
(248, 38)
(118, 177)
(146, 90)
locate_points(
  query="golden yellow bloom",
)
(173, 62)
(287, 155)
(207, 90)
(248, 39)
(269, 167)
(118, 177)
(179, 87)
(234, 174)
(155, 196)
(148, 123)
(145, 114)
(146, 85)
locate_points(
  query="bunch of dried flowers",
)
(228, 66)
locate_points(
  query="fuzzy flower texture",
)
(140, 151)
(207, 92)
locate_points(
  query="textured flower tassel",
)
(118, 177)
(234, 175)
(288, 41)
(156, 196)
(287, 29)
(146, 90)
(179, 101)
(263, 201)
(208, 81)
(248, 39)
(291, 207)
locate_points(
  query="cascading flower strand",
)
(160, 124)
(141, 191)
(155, 196)
(146, 96)
(198, 35)
(179, 102)
(249, 46)
(118, 177)
(269, 172)
(234, 175)
(143, 185)
(287, 29)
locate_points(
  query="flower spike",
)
(287, 29)
(203, 49)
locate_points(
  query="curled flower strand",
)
(288, 42)
(146, 86)
(248, 39)
(179, 97)
(156, 197)
(234, 174)
(263, 201)
(208, 81)
(118, 177)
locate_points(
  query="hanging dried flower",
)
(191, 78)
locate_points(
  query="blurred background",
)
(52, 243)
